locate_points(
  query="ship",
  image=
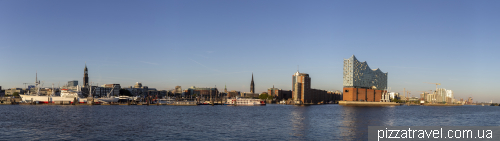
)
(245, 102)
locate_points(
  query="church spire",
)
(225, 88)
(85, 76)
(252, 86)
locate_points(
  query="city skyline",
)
(163, 44)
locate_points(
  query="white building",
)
(449, 93)
(393, 95)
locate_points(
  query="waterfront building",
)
(249, 95)
(302, 92)
(449, 94)
(441, 95)
(279, 94)
(138, 85)
(393, 95)
(334, 96)
(233, 93)
(423, 96)
(177, 90)
(202, 92)
(359, 75)
(11, 91)
(105, 89)
(431, 98)
(144, 90)
(362, 83)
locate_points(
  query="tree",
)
(15, 94)
(270, 97)
(263, 96)
(125, 92)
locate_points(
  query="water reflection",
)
(299, 122)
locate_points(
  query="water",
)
(271, 122)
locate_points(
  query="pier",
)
(363, 103)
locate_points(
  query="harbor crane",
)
(27, 83)
(435, 84)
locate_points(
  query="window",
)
(346, 90)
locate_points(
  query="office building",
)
(73, 83)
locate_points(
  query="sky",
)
(163, 44)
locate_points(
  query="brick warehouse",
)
(362, 94)
(362, 83)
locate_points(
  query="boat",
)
(165, 101)
(282, 102)
(245, 102)
(124, 99)
(107, 99)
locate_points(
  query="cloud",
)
(210, 52)
(204, 65)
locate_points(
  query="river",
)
(270, 122)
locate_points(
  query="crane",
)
(435, 84)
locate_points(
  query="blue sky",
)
(211, 43)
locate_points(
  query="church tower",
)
(85, 76)
(225, 88)
(252, 86)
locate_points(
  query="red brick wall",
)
(378, 95)
(361, 94)
(350, 95)
(371, 95)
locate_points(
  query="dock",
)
(427, 104)
(368, 104)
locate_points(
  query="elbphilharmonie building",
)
(359, 75)
(362, 83)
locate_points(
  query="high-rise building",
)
(252, 86)
(85, 76)
(449, 93)
(302, 92)
(73, 83)
(362, 83)
(301, 85)
(441, 95)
